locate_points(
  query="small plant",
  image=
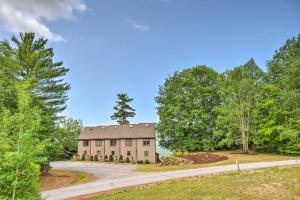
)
(140, 161)
(121, 158)
(105, 158)
(127, 160)
(83, 157)
(92, 158)
(96, 158)
(147, 161)
(111, 158)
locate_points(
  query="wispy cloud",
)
(140, 27)
(30, 15)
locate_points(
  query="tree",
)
(30, 59)
(186, 103)
(20, 149)
(238, 88)
(123, 110)
(69, 131)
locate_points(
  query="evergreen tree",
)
(123, 110)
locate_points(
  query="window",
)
(112, 153)
(146, 153)
(85, 153)
(98, 143)
(98, 153)
(128, 142)
(146, 142)
(113, 142)
(128, 153)
(85, 143)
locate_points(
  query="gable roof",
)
(141, 130)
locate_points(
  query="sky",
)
(132, 46)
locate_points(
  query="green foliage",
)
(20, 149)
(186, 103)
(140, 161)
(111, 158)
(105, 158)
(92, 158)
(123, 110)
(96, 158)
(127, 160)
(147, 161)
(121, 158)
(83, 157)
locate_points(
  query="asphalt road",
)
(144, 178)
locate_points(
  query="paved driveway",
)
(102, 171)
(144, 178)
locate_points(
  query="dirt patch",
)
(203, 158)
(60, 178)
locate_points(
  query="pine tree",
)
(123, 110)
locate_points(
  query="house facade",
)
(135, 141)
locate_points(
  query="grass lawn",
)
(60, 178)
(242, 158)
(272, 183)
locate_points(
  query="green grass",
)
(272, 183)
(81, 177)
(242, 158)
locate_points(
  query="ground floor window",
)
(98, 153)
(128, 153)
(112, 153)
(84, 152)
(146, 153)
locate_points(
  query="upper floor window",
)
(113, 142)
(146, 142)
(98, 143)
(128, 142)
(85, 143)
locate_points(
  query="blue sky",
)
(131, 46)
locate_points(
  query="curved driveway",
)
(144, 178)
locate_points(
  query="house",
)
(135, 141)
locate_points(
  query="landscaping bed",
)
(203, 158)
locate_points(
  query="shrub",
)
(105, 158)
(96, 158)
(111, 158)
(140, 161)
(147, 161)
(121, 158)
(92, 158)
(127, 160)
(83, 157)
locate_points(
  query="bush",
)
(121, 158)
(83, 157)
(111, 158)
(140, 161)
(105, 158)
(127, 160)
(147, 161)
(96, 158)
(92, 158)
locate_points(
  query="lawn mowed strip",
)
(61, 178)
(242, 158)
(269, 183)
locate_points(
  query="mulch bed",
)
(203, 158)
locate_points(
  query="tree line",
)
(32, 94)
(242, 108)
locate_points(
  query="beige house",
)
(135, 141)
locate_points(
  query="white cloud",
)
(30, 15)
(140, 27)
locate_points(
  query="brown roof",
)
(141, 130)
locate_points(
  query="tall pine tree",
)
(123, 110)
